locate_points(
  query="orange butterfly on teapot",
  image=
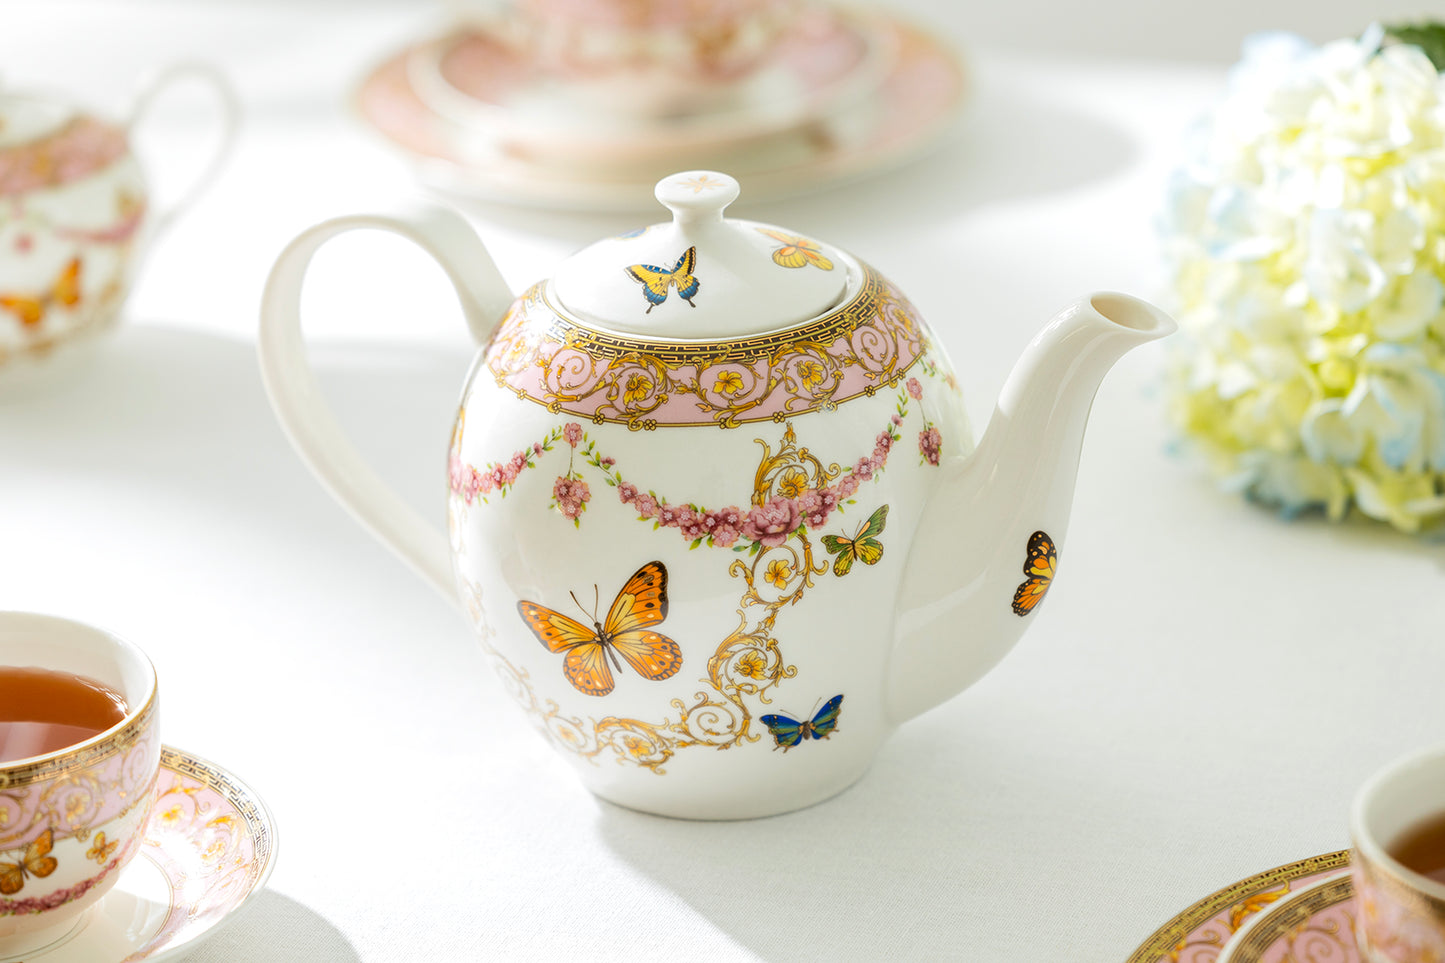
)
(1039, 566)
(35, 862)
(627, 631)
(30, 310)
(796, 251)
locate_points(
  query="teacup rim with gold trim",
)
(81, 754)
(1367, 844)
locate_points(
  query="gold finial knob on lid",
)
(697, 196)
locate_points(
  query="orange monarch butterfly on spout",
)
(627, 632)
(1039, 566)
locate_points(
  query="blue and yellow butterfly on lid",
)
(656, 281)
(788, 732)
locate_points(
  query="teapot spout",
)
(963, 603)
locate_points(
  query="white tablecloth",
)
(1197, 702)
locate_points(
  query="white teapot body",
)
(717, 573)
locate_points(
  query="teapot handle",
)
(297, 398)
(230, 108)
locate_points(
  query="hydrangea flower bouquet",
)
(1305, 237)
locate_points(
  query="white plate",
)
(915, 102)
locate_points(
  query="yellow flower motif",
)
(173, 815)
(702, 182)
(637, 747)
(793, 483)
(752, 664)
(778, 573)
(811, 373)
(637, 388)
(728, 383)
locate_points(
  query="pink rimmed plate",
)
(207, 851)
(1200, 933)
(1315, 923)
(915, 102)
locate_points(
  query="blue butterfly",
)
(790, 732)
(656, 281)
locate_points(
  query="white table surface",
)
(1197, 702)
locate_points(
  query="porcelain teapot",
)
(76, 213)
(714, 507)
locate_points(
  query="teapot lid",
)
(46, 142)
(702, 276)
(25, 119)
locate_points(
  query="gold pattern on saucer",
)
(1323, 940)
(1171, 941)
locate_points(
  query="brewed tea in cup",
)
(1398, 865)
(79, 754)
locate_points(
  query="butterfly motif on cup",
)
(656, 281)
(864, 545)
(30, 310)
(100, 850)
(35, 862)
(796, 251)
(788, 732)
(626, 632)
(1039, 566)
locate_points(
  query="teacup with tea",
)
(1398, 830)
(79, 753)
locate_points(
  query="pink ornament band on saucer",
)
(1314, 924)
(1199, 933)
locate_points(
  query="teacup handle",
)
(296, 396)
(230, 106)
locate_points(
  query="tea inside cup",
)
(74, 797)
(1398, 830)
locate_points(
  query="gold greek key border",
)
(71, 760)
(1162, 942)
(865, 307)
(1283, 919)
(258, 820)
(824, 330)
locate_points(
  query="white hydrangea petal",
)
(1307, 239)
(1339, 269)
(1412, 304)
(1329, 435)
(1400, 237)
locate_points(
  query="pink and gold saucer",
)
(905, 109)
(207, 850)
(1315, 923)
(1199, 933)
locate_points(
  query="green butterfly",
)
(861, 546)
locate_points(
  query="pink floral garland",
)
(763, 526)
(39, 904)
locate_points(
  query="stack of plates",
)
(485, 111)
